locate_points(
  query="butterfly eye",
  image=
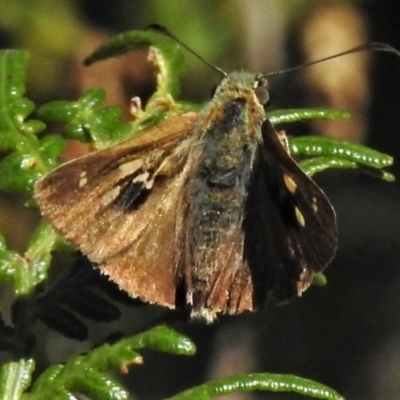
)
(261, 90)
(262, 94)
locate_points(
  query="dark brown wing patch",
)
(290, 226)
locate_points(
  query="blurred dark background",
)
(347, 334)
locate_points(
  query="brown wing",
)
(314, 216)
(290, 226)
(121, 207)
(224, 283)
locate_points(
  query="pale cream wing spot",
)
(110, 196)
(290, 183)
(130, 167)
(314, 205)
(299, 217)
(82, 179)
(146, 178)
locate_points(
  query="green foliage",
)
(82, 374)
(252, 382)
(28, 157)
(86, 120)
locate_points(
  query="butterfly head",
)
(240, 85)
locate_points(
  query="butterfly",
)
(206, 210)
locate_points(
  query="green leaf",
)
(81, 374)
(319, 279)
(50, 147)
(38, 253)
(165, 339)
(12, 87)
(62, 111)
(29, 270)
(29, 158)
(18, 170)
(15, 378)
(165, 54)
(13, 107)
(99, 387)
(87, 121)
(13, 268)
(293, 115)
(317, 146)
(261, 382)
(167, 57)
(316, 165)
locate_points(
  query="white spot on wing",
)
(144, 178)
(82, 179)
(299, 217)
(130, 167)
(314, 205)
(109, 196)
(290, 183)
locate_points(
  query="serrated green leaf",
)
(259, 382)
(15, 378)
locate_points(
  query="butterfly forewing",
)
(102, 204)
(314, 216)
(290, 225)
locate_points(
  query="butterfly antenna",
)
(163, 30)
(375, 46)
